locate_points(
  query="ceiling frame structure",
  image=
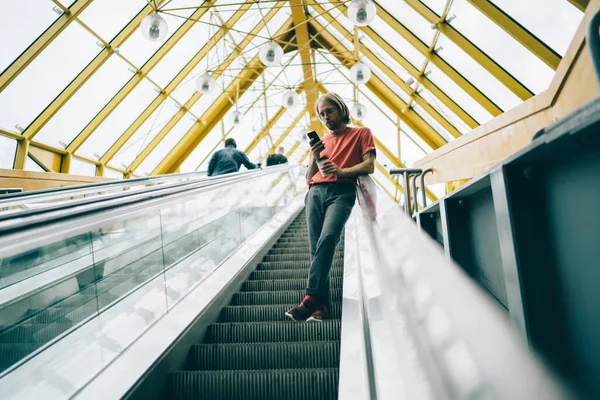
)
(468, 47)
(328, 42)
(112, 151)
(390, 74)
(109, 49)
(301, 32)
(34, 50)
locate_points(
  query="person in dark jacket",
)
(228, 160)
(277, 158)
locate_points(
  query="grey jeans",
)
(328, 207)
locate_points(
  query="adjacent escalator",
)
(253, 351)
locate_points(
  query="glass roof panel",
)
(108, 17)
(402, 45)
(145, 133)
(444, 110)
(432, 122)
(112, 174)
(477, 75)
(86, 103)
(553, 21)
(8, 148)
(457, 94)
(32, 165)
(118, 121)
(410, 19)
(29, 94)
(81, 167)
(167, 144)
(501, 47)
(201, 154)
(16, 34)
(436, 6)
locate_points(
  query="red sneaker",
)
(318, 315)
(303, 310)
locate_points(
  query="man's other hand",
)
(330, 167)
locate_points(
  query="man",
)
(350, 152)
(277, 158)
(228, 160)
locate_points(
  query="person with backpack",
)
(228, 160)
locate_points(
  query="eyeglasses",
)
(327, 111)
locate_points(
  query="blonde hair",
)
(335, 99)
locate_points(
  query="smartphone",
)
(313, 136)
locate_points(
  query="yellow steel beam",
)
(468, 47)
(49, 159)
(265, 130)
(580, 4)
(138, 78)
(200, 129)
(86, 74)
(390, 73)
(114, 149)
(303, 41)
(287, 132)
(41, 42)
(304, 156)
(446, 68)
(21, 155)
(382, 91)
(292, 149)
(518, 32)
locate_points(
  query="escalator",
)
(180, 292)
(253, 351)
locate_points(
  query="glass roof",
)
(87, 81)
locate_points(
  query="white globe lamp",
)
(270, 54)
(360, 73)
(362, 12)
(290, 99)
(358, 112)
(154, 27)
(205, 83)
(237, 118)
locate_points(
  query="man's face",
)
(330, 115)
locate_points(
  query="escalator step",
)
(274, 265)
(212, 357)
(282, 284)
(290, 274)
(304, 384)
(261, 332)
(282, 297)
(295, 257)
(267, 313)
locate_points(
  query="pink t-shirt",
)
(345, 150)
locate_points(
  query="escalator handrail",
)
(19, 215)
(64, 221)
(161, 194)
(412, 264)
(10, 198)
